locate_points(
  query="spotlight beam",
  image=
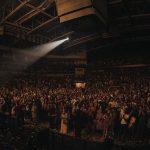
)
(29, 56)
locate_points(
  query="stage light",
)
(67, 39)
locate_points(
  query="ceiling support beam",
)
(42, 25)
(35, 12)
(133, 16)
(14, 11)
(83, 40)
(53, 28)
(18, 26)
(42, 11)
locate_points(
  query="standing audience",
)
(112, 104)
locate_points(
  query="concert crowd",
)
(113, 103)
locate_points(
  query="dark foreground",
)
(39, 137)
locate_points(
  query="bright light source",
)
(67, 38)
(80, 85)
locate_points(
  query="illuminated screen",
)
(80, 85)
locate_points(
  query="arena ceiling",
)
(91, 24)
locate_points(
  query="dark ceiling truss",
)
(21, 33)
(26, 29)
(132, 7)
(53, 28)
(127, 10)
(33, 24)
(13, 11)
(83, 40)
(42, 11)
(91, 37)
(136, 28)
(137, 12)
(133, 10)
(42, 25)
(122, 41)
(35, 11)
(133, 16)
(39, 25)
